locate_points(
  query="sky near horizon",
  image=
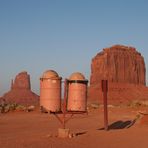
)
(64, 35)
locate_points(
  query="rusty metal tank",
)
(77, 92)
(50, 91)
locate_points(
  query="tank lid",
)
(50, 74)
(77, 76)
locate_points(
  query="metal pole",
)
(65, 101)
(105, 111)
(105, 89)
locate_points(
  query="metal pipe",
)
(104, 90)
(65, 101)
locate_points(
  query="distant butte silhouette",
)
(124, 68)
(21, 91)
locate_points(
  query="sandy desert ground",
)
(39, 130)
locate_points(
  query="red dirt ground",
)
(39, 130)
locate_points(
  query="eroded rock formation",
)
(22, 81)
(21, 91)
(124, 68)
(118, 64)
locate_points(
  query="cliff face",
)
(21, 91)
(124, 68)
(118, 64)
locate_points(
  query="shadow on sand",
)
(120, 125)
(80, 133)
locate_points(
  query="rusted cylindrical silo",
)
(77, 92)
(50, 91)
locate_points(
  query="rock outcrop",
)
(22, 81)
(124, 68)
(21, 91)
(118, 64)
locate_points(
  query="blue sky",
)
(64, 35)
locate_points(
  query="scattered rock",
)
(70, 136)
(94, 105)
(30, 108)
(49, 136)
(110, 106)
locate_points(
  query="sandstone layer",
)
(124, 68)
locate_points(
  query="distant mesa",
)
(21, 91)
(22, 81)
(124, 68)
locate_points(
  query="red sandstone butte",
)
(124, 68)
(21, 91)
